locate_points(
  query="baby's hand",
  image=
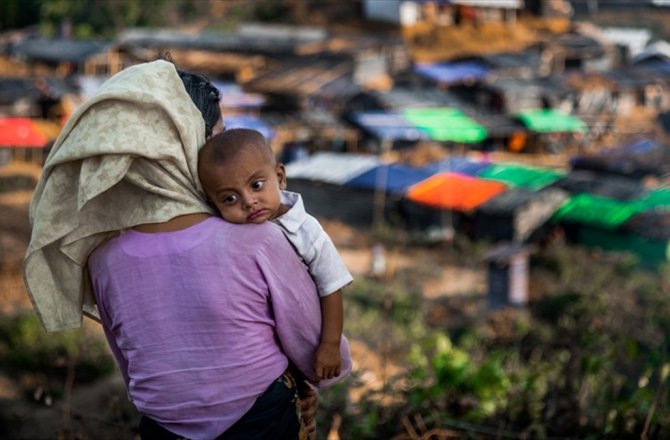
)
(328, 361)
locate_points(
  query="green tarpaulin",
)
(518, 175)
(551, 121)
(446, 124)
(658, 198)
(596, 211)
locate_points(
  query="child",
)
(241, 177)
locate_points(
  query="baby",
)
(241, 177)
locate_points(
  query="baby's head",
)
(240, 175)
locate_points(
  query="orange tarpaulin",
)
(26, 132)
(454, 191)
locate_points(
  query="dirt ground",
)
(89, 403)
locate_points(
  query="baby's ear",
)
(281, 176)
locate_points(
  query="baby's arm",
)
(328, 361)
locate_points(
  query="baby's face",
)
(246, 188)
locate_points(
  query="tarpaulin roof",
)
(26, 132)
(460, 165)
(596, 211)
(453, 73)
(388, 125)
(328, 167)
(400, 97)
(248, 121)
(446, 124)
(505, 4)
(514, 198)
(514, 174)
(58, 50)
(657, 198)
(551, 121)
(454, 191)
(233, 96)
(392, 178)
(610, 186)
(637, 159)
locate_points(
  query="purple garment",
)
(202, 320)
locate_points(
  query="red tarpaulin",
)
(21, 132)
(454, 191)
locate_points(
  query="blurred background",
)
(495, 173)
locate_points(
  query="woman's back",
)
(201, 296)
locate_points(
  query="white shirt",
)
(313, 245)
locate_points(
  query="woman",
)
(204, 352)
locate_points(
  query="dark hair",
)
(205, 96)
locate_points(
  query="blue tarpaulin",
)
(233, 96)
(460, 165)
(388, 126)
(392, 178)
(453, 73)
(248, 121)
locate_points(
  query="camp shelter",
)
(386, 130)
(637, 159)
(521, 175)
(20, 96)
(503, 132)
(251, 121)
(593, 210)
(402, 96)
(247, 38)
(454, 191)
(450, 73)
(658, 51)
(320, 178)
(69, 56)
(609, 186)
(235, 99)
(26, 139)
(305, 83)
(394, 178)
(525, 63)
(656, 199)
(550, 130)
(545, 120)
(636, 86)
(459, 165)
(446, 124)
(573, 50)
(507, 95)
(386, 185)
(517, 213)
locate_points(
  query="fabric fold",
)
(127, 156)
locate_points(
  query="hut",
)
(516, 214)
(26, 139)
(320, 179)
(384, 131)
(386, 185)
(598, 184)
(636, 160)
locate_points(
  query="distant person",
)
(203, 317)
(241, 177)
(47, 100)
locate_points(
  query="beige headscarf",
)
(127, 156)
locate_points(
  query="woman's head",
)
(206, 98)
